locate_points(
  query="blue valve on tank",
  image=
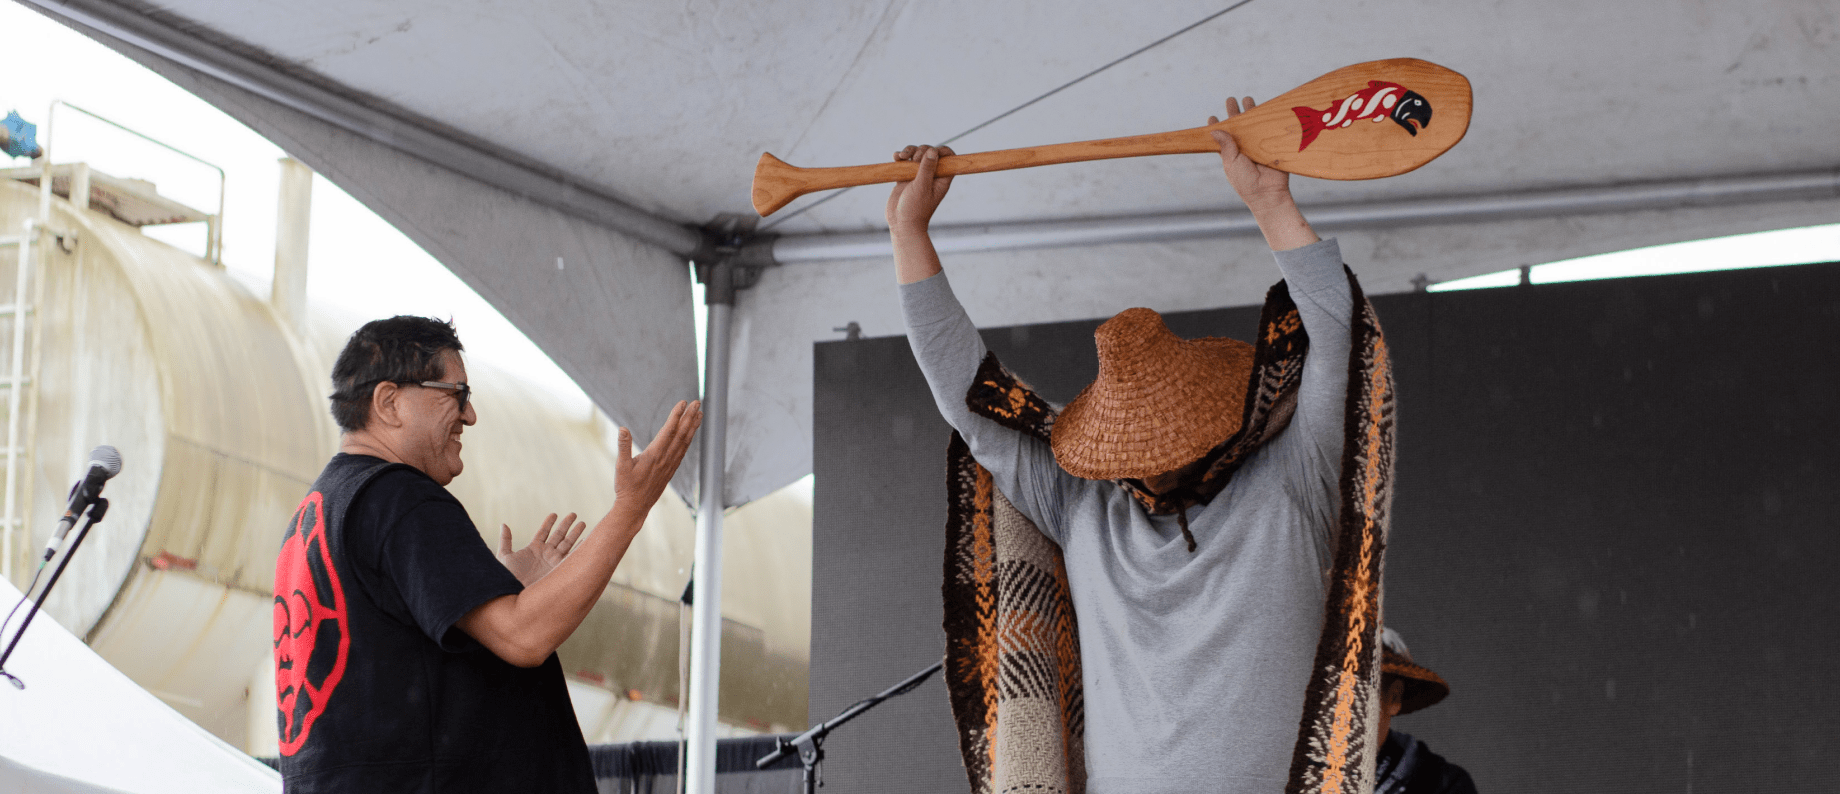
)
(18, 137)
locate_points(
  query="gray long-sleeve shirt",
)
(1195, 664)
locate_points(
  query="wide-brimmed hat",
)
(1160, 401)
(1424, 688)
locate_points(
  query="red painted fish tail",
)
(1312, 125)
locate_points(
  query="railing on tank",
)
(214, 223)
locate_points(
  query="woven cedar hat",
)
(1160, 402)
(1424, 688)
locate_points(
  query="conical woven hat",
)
(1424, 688)
(1160, 402)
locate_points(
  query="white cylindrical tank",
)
(221, 417)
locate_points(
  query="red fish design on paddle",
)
(1379, 101)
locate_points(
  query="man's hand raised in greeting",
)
(639, 481)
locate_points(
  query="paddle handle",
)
(777, 183)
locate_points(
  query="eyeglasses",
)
(462, 392)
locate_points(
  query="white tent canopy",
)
(503, 135)
(80, 725)
(560, 155)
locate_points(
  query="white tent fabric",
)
(663, 108)
(81, 726)
(613, 307)
(502, 134)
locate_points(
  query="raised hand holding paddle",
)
(1318, 129)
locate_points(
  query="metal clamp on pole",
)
(729, 242)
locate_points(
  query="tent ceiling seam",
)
(1012, 111)
(395, 127)
(845, 77)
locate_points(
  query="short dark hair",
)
(403, 348)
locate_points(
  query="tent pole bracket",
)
(731, 246)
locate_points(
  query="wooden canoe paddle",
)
(1333, 127)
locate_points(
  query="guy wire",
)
(1007, 113)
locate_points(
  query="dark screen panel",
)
(876, 557)
(1614, 526)
(1615, 531)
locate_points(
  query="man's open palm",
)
(639, 481)
(546, 551)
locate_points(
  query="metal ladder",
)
(18, 383)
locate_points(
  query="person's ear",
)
(1394, 698)
(386, 402)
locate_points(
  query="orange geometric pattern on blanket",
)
(1012, 639)
(1336, 744)
(984, 555)
(1362, 588)
(1290, 323)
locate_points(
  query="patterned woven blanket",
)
(1012, 640)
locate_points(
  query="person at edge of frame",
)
(1197, 631)
(1407, 765)
(409, 657)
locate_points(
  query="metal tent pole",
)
(706, 612)
(1823, 183)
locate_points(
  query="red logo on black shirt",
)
(311, 636)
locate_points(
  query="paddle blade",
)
(1365, 121)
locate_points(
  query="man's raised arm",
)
(947, 346)
(910, 211)
(524, 629)
(1313, 272)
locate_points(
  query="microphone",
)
(104, 462)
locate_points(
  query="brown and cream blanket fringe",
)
(1012, 640)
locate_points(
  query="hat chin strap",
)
(1182, 521)
(1180, 496)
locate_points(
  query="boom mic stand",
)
(98, 507)
(810, 744)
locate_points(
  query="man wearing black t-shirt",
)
(408, 657)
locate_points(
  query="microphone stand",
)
(810, 744)
(98, 507)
